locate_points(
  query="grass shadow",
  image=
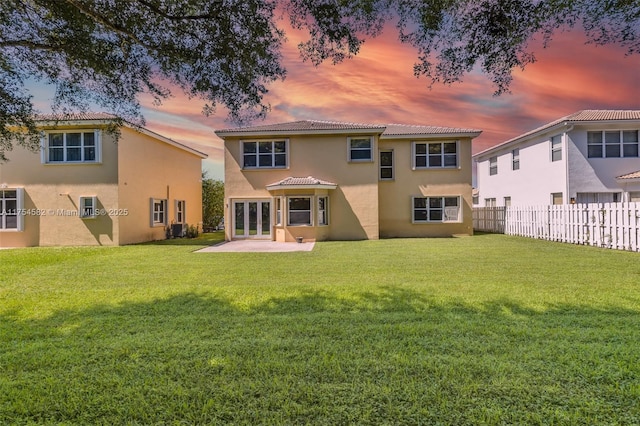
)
(206, 239)
(394, 357)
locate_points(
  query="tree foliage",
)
(212, 202)
(227, 52)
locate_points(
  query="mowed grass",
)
(489, 329)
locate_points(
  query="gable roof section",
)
(584, 116)
(101, 118)
(310, 127)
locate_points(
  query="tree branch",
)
(166, 15)
(113, 27)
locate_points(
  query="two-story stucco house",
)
(590, 156)
(85, 187)
(321, 180)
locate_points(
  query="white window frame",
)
(351, 150)
(557, 196)
(5, 212)
(323, 210)
(257, 154)
(490, 202)
(556, 148)
(493, 165)
(387, 167)
(180, 210)
(88, 212)
(154, 216)
(309, 211)
(515, 159)
(45, 148)
(427, 155)
(447, 211)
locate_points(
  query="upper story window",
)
(386, 165)
(612, 144)
(493, 166)
(264, 154)
(515, 159)
(360, 148)
(435, 155)
(556, 148)
(71, 147)
(11, 206)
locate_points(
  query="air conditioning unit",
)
(178, 230)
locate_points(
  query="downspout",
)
(566, 162)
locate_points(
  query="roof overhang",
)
(443, 135)
(301, 183)
(285, 133)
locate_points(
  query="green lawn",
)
(483, 330)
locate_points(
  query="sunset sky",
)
(378, 86)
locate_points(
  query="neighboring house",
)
(85, 187)
(320, 180)
(590, 156)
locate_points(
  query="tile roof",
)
(302, 125)
(407, 130)
(301, 181)
(634, 175)
(587, 115)
(314, 126)
(77, 116)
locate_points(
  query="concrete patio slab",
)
(255, 246)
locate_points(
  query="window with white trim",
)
(299, 211)
(71, 147)
(323, 210)
(158, 212)
(180, 211)
(436, 209)
(435, 155)
(386, 164)
(489, 202)
(556, 148)
(556, 198)
(11, 206)
(612, 144)
(88, 206)
(360, 148)
(264, 154)
(493, 166)
(515, 159)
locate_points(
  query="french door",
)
(252, 219)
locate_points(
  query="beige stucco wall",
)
(152, 169)
(51, 197)
(353, 205)
(133, 169)
(396, 196)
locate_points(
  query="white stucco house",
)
(591, 156)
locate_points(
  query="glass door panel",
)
(239, 219)
(266, 218)
(252, 219)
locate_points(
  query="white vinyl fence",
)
(610, 225)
